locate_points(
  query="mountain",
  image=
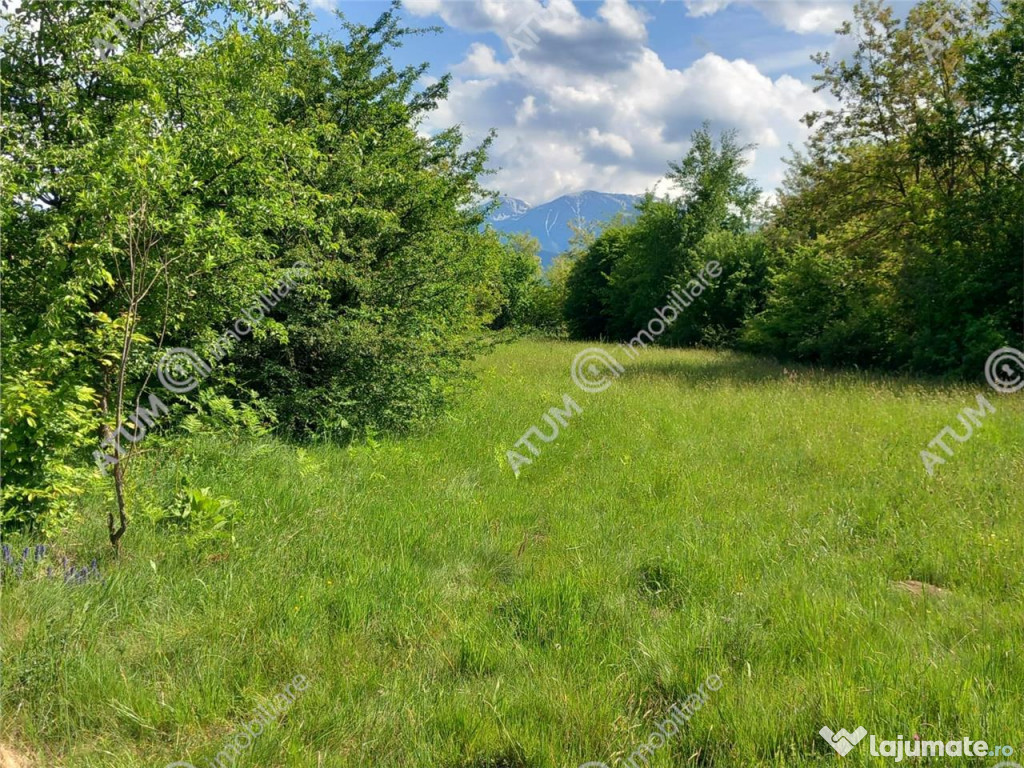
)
(509, 208)
(549, 222)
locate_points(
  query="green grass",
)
(708, 513)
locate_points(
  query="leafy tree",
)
(519, 276)
(619, 282)
(141, 188)
(547, 311)
(638, 280)
(158, 188)
(738, 294)
(402, 278)
(586, 295)
(905, 208)
(715, 193)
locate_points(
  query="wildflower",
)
(7, 554)
(24, 554)
(40, 551)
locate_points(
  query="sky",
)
(603, 94)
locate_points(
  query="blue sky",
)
(602, 94)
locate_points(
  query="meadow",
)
(709, 513)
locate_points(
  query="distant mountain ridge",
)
(549, 222)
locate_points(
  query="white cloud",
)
(801, 16)
(526, 110)
(806, 17)
(590, 106)
(624, 18)
(616, 144)
(480, 61)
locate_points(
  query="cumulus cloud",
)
(585, 103)
(801, 16)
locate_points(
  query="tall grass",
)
(708, 513)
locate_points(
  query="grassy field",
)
(707, 514)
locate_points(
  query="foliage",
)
(896, 240)
(153, 195)
(201, 514)
(625, 275)
(519, 276)
(637, 281)
(902, 219)
(735, 297)
(402, 277)
(44, 431)
(547, 310)
(821, 308)
(586, 286)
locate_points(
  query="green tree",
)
(402, 277)
(141, 188)
(587, 306)
(905, 208)
(618, 283)
(548, 310)
(519, 276)
(155, 190)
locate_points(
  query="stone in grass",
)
(920, 588)
(11, 759)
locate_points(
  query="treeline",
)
(896, 242)
(164, 167)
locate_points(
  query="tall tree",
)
(904, 212)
